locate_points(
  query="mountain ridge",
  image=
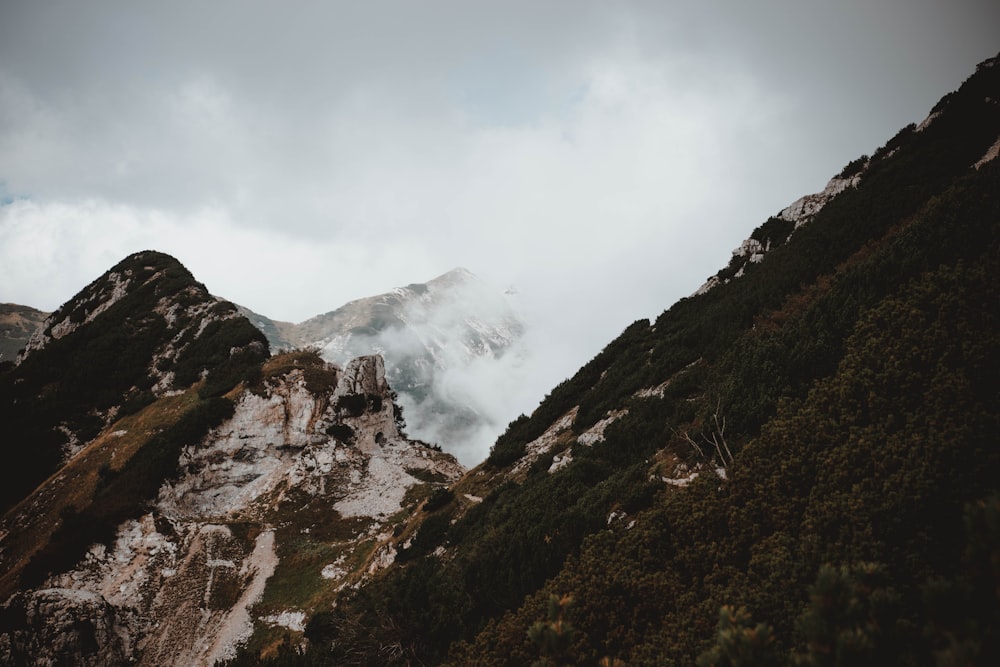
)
(796, 466)
(664, 490)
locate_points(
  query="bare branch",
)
(716, 438)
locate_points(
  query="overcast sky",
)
(603, 158)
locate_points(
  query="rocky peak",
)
(143, 331)
(148, 268)
(364, 375)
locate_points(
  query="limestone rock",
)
(179, 585)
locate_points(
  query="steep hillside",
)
(779, 465)
(141, 331)
(431, 335)
(17, 324)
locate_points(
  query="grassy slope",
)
(31, 523)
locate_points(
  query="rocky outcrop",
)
(804, 209)
(58, 626)
(799, 213)
(429, 334)
(179, 585)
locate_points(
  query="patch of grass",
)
(266, 639)
(297, 578)
(320, 376)
(428, 476)
(416, 493)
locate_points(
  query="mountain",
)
(798, 464)
(176, 487)
(17, 324)
(433, 336)
(299, 485)
(143, 330)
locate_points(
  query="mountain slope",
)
(819, 417)
(17, 324)
(797, 465)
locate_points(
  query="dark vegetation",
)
(75, 382)
(854, 370)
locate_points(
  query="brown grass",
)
(29, 525)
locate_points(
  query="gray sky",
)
(602, 157)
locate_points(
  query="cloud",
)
(603, 158)
(52, 250)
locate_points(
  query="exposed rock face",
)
(800, 212)
(804, 209)
(179, 585)
(63, 627)
(428, 333)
